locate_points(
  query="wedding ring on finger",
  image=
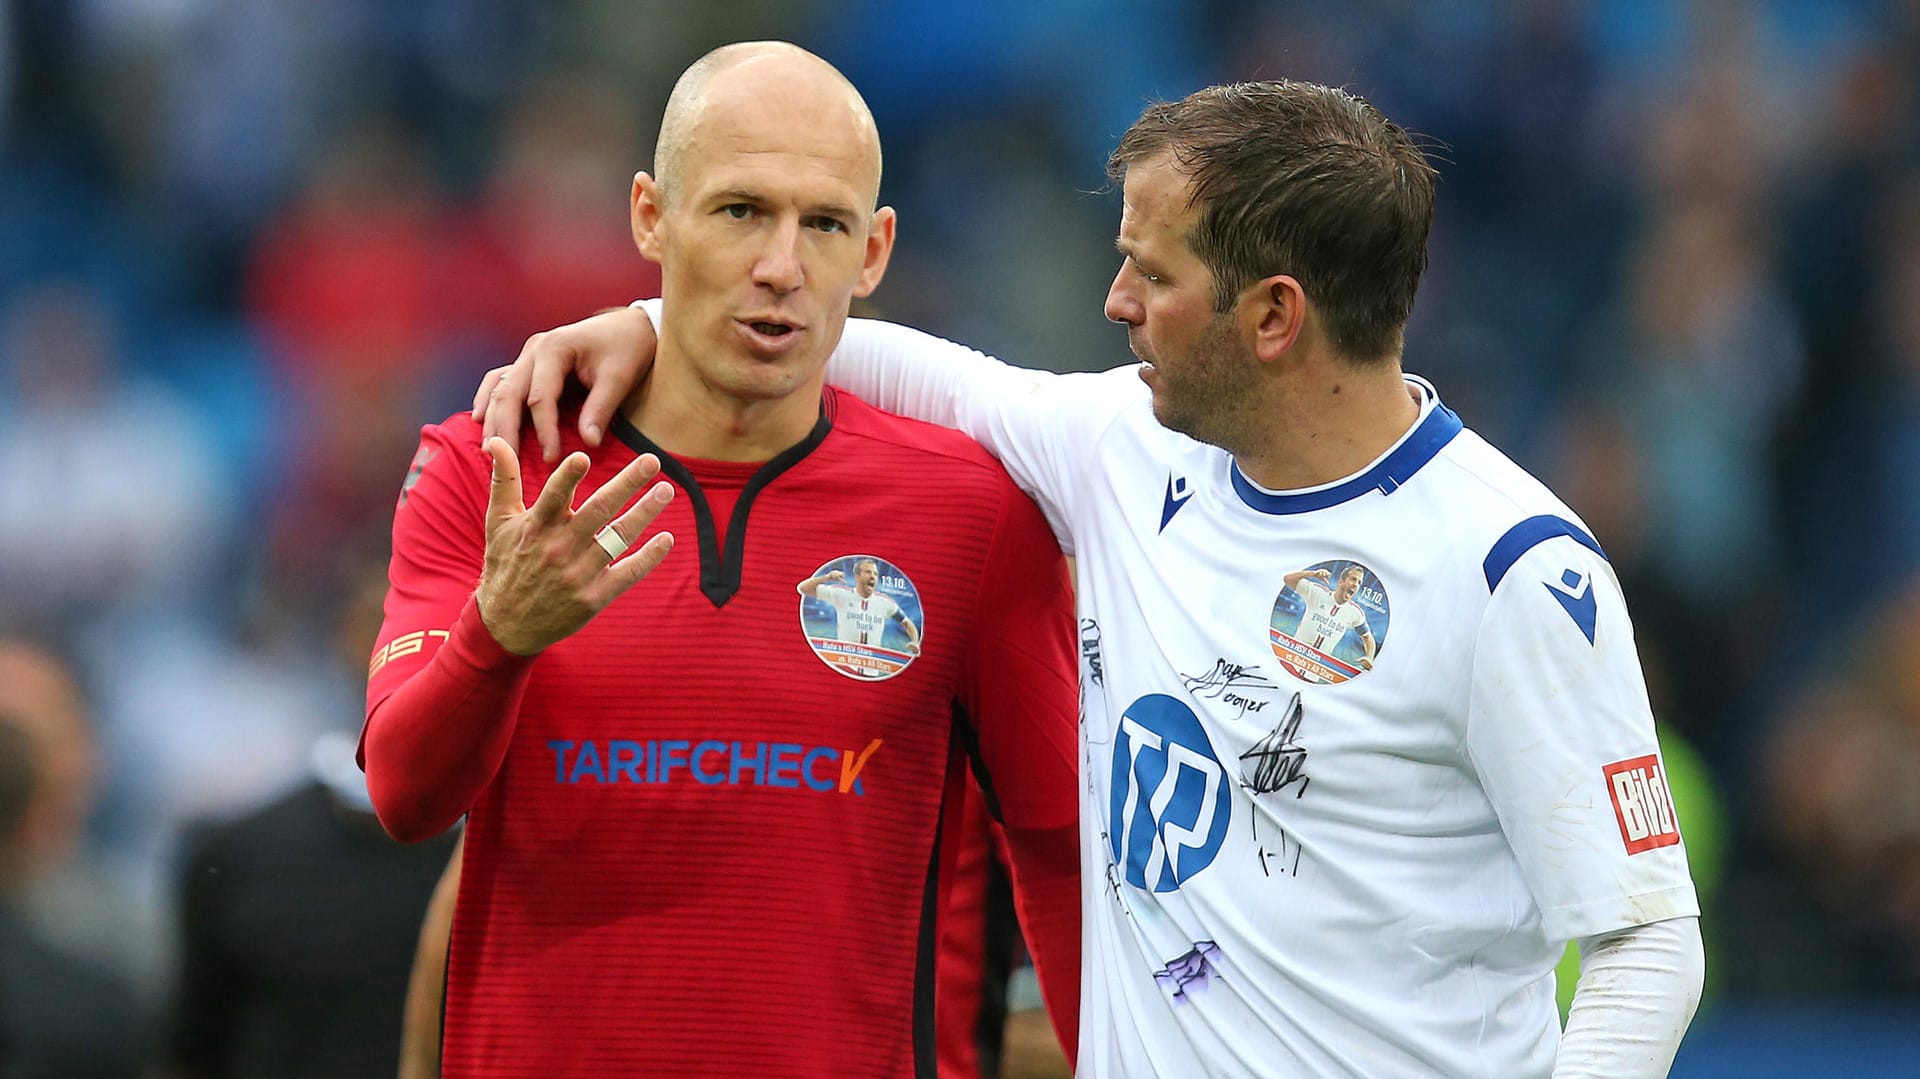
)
(609, 540)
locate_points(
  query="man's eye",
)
(739, 211)
(829, 224)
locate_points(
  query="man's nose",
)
(1122, 306)
(779, 267)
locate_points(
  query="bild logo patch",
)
(1642, 804)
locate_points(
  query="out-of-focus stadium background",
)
(247, 247)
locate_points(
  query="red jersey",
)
(977, 937)
(708, 840)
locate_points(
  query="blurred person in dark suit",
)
(61, 1017)
(297, 920)
(298, 923)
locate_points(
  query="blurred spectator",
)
(551, 233)
(1844, 810)
(356, 286)
(73, 898)
(112, 500)
(297, 920)
(62, 1015)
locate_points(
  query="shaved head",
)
(760, 75)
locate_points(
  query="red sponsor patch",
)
(1641, 803)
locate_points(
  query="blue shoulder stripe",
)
(1527, 535)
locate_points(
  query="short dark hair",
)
(1305, 180)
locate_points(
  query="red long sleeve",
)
(433, 745)
(1046, 896)
(1020, 692)
(441, 692)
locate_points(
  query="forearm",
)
(916, 374)
(436, 742)
(1637, 992)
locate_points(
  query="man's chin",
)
(1170, 416)
(1184, 422)
(763, 380)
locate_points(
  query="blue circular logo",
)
(1172, 801)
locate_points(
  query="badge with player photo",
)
(862, 617)
(1329, 622)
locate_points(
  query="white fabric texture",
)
(1637, 992)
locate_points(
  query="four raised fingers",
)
(595, 517)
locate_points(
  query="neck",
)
(1335, 421)
(689, 417)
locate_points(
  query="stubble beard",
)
(1211, 398)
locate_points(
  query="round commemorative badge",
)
(862, 617)
(1329, 622)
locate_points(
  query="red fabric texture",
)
(693, 847)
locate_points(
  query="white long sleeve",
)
(1637, 992)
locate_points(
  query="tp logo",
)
(1171, 801)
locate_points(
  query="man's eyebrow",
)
(820, 209)
(834, 209)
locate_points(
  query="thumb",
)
(504, 500)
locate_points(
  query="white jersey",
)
(862, 620)
(1297, 865)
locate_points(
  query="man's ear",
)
(879, 250)
(1274, 313)
(646, 212)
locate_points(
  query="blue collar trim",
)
(1396, 468)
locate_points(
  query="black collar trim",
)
(720, 575)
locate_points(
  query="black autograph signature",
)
(1276, 763)
(1220, 683)
(1090, 648)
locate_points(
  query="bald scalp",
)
(742, 74)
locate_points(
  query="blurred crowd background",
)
(248, 247)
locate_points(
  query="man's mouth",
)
(771, 329)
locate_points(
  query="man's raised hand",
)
(607, 353)
(546, 573)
